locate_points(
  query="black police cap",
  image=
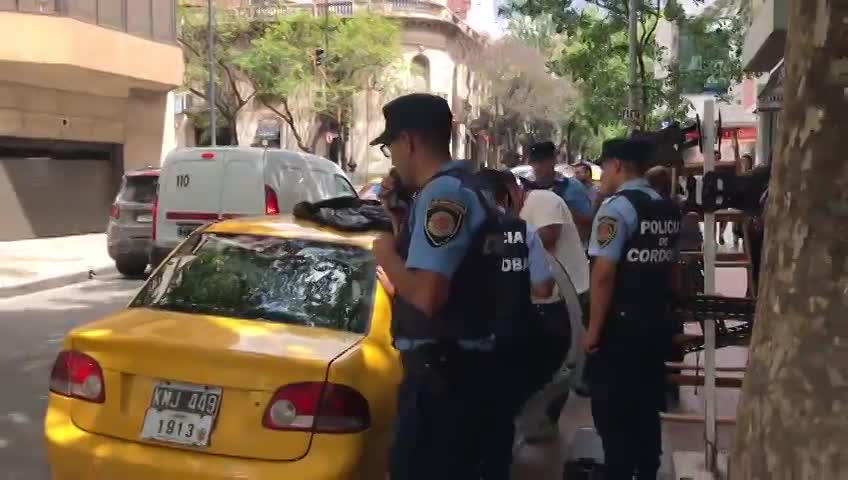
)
(633, 150)
(542, 150)
(419, 112)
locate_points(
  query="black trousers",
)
(524, 366)
(441, 414)
(626, 401)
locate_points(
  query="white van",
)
(203, 185)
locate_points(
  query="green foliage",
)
(594, 53)
(275, 61)
(530, 104)
(361, 48)
(592, 48)
(282, 62)
(710, 50)
(232, 35)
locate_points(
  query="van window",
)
(297, 187)
(269, 279)
(343, 188)
(139, 189)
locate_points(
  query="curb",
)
(55, 282)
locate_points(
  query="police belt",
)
(443, 357)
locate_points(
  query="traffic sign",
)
(631, 114)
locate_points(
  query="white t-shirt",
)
(542, 208)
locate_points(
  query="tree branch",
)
(289, 119)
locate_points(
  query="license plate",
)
(144, 218)
(185, 230)
(182, 414)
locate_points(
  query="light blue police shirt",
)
(537, 262)
(577, 197)
(619, 215)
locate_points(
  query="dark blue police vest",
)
(486, 290)
(558, 186)
(506, 245)
(643, 292)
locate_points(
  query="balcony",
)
(150, 19)
(766, 38)
(269, 11)
(100, 47)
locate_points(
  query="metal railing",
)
(271, 10)
(152, 19)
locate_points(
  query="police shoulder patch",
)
(442, 221)
(606, 230)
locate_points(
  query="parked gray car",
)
(130, 229)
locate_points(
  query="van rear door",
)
(189, 193)
(243, 192)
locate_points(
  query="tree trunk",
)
(232, 129)
(793, 415)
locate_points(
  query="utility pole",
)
(633, 99)
(210, 39)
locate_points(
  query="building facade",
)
(83, 97)
(437, 45)
(762, 53)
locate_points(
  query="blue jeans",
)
(441, 416)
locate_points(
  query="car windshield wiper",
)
(277, 316)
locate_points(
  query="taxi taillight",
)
(317, 407)
(272, 207)
(77, 375)
(155, 214)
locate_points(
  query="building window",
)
(182, 102)
(420, 75)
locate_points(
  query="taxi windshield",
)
(303, 282)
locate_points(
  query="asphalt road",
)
(31, 331)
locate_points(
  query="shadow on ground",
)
(31, 331)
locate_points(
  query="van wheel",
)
(131, 266)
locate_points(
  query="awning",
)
(771, 96)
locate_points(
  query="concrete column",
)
(145, 128)
(761, 152)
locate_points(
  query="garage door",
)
(45, 197)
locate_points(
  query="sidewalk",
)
(545, 462)
(28, 266)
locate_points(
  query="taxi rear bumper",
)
(75, 454)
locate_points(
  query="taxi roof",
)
(287, 226)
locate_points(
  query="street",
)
(31, 331)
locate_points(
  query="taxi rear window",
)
(272, 279)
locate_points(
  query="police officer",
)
(575, 195)
(443, 316)
(629, 335)
(522, 353)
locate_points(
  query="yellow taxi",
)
(260, 349)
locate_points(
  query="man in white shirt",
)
(555, 226)
(547, 212)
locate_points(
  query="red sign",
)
(743, 134)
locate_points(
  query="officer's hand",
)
(387, 186)
(398, 211)
(384, 280)
(590, 342)
(383, 248)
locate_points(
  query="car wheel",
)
(131, 266)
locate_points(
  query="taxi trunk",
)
(220, 385)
